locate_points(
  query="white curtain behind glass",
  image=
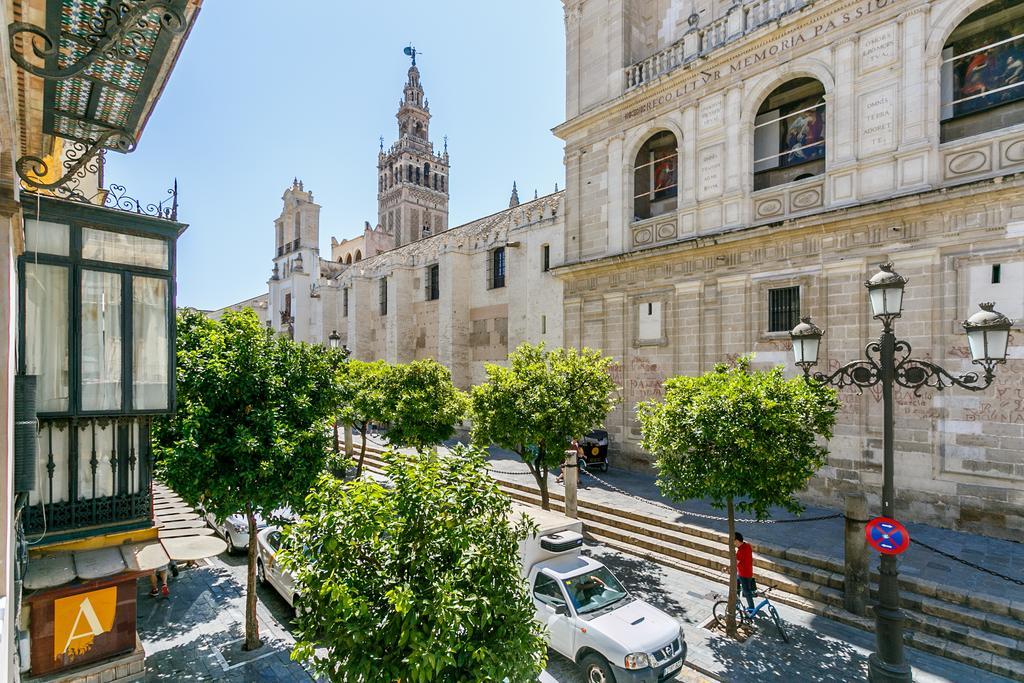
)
(46, 334)
(149, 355)
(101, 340)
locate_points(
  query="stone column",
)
(571, 476)
(856, 586)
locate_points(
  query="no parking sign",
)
(887, 536)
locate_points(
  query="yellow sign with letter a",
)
(78, 619)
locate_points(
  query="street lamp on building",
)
(334, 338)
(889, 363)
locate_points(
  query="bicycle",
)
(747, 615)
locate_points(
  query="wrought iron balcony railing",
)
(740, 20)
(98, 472)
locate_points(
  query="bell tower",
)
(412, 180)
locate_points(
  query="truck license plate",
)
(672, 668)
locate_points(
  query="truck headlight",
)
(637, 660)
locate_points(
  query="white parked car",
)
(235, 529)
(588, 615)
(268, 569)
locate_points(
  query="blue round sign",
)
(887, 536)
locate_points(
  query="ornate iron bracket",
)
(80, 161)
(116, 33)
(912, 373)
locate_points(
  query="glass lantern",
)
(988, 333)
(885, 289)
(806, 338)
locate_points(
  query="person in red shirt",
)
(745, 568)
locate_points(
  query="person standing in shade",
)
(745, 568)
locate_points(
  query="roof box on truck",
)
(561, 542)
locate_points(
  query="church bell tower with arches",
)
(412, 180)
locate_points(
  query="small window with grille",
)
(383, 296)
(783, 308)
(496, 272)
(433, 282)
(545, 257)
(344, 302)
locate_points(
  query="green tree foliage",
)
(541, 401)
(424, 405)
(250, 432)
(415, 583)
(744, 439)
(365, 398)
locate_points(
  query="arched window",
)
(426, 173)
(348, 260)
(359, 255)
(789, 134)
(298, 226)
(656, 176)
(417, 175)
(982, 73)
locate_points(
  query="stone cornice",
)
(859, 216)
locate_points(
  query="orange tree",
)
(541, 401)
(250, 431)
(745, 439)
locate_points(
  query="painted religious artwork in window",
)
(789, 134)
(656, 176)
(982, 73)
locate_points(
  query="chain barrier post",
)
(571, 474)
(856, 586)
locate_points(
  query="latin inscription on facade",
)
(710, 113)
(878, 121)
(820, 30)
(878, 48)
(709, 172)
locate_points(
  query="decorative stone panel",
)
(996, 154)
(657, 230)
(790, 199)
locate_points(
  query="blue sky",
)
(268, 90)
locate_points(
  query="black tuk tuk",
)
(595, 450)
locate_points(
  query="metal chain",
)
(1019, 582)
(700, 515)
(513, 474)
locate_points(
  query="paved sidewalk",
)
(824, 537)
(195, 634)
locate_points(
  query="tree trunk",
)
(730, 613)
(252, 627)
(362, 452)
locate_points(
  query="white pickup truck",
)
(590, 617)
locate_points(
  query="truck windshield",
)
(594, 589)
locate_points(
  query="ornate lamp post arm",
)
(916, 374)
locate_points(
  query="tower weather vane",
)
(410, 51)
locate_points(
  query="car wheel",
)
(261, 574)
(596, 669)
(232, 548)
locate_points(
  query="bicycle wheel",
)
(778, 623)
(718, 611)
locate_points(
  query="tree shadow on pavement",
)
(643, 579)
(809, 656)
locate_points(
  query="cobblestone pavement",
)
(195, 634)
(825, 537)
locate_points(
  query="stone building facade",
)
(731, 166)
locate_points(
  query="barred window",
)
(433, 282)
(545, 258)
(783, 308)
(383, 296)
(982, 73)
(344, 302)
(497, 269)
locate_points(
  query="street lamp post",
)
(335, 340)
(889, 363)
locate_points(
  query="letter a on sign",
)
(78, 619)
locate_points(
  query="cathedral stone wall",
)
(673, 259)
